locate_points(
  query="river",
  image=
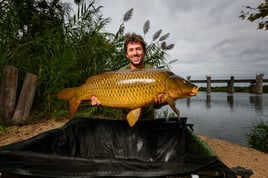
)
(222, 115)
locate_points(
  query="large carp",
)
(130, 89)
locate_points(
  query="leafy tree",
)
(41, 37)
(32, 39)
(257, 14)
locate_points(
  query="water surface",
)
(222, 115)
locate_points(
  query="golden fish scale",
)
(126, 89)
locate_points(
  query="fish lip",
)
(194, 91)
(193, 94)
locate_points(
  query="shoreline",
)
(234, 155)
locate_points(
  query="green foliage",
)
(257, 14)
(165, 114)
(41, 37)
(242, 89)
(2, 128)
(157, 48)
(225, 89)
(258, 136)
(33, 41)
(265, 89)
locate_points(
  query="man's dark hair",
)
(134, 38)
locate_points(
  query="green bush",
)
(63, 50)
(258, 136)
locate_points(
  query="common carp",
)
(130, 89)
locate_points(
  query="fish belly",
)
(127, 89)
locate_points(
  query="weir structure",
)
(256, 85)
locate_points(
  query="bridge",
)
(256, 84)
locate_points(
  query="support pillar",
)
(259, 84)
(188, 99)
(189, 78)
(208, 84)
(231, 85)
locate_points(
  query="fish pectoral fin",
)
(133, 116)
(73, 106)
(172, 104)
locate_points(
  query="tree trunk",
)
(8, 93)
(26, 98)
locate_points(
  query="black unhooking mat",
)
(87, 147)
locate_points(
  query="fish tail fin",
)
(66, 94)
(73, 106)
(69, 94)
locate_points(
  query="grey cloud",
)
(209, 37)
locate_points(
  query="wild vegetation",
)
(257, 14)
(258, 136)
(41, 37)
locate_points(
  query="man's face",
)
(135, 53)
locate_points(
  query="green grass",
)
(2, 128)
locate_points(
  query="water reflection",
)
(222, 115)
(208, 101)
(230, 100)
(188, 102)
(255, 100)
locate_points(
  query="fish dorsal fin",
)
(133, 116)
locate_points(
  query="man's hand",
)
(159, 101)
(94, 101)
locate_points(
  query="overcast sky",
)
(210, 39)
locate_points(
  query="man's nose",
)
(135, 51)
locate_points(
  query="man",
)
(135, 51)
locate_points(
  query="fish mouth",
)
(194, 91)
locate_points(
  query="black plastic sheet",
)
(88, 147)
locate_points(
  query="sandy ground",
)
(231, 154)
